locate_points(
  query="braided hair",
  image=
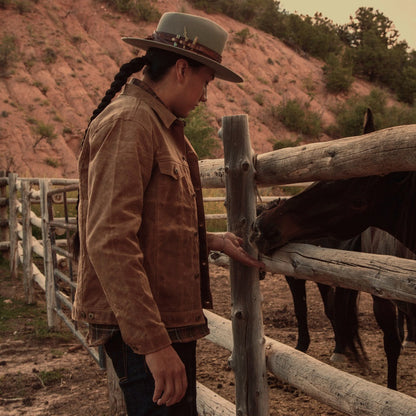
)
(157, 63)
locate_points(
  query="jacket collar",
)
(140, 89)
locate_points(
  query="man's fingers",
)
(168, 392)
(159, 387)
(179, 392)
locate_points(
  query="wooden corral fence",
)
(254, 354)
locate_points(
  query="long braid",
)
(126, 70)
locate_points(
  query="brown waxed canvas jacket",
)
(143, 261)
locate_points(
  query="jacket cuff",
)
(156, 340)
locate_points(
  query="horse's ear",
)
(368, 126)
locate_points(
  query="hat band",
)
(184, 43)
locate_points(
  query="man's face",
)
(194, 89)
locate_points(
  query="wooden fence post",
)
(4, 235)
(27, 243)
(53, 319)
(13, 224)
(248, 358)
(115, 395)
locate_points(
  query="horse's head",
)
(335, 209)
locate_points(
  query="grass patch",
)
(19, 320)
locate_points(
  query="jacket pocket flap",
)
(171, 168)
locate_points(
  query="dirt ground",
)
(76, 385)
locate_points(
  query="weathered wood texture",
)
(4, 231)
(13, 257)
(248, 358)
(27, 244)
(376, 153)
(342, 391)
(53, 318)
(388, 277)
(211, 404)
(116, 401)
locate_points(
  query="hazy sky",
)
(401, 12)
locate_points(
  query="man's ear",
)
(181, 68)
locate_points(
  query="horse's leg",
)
(298, 290)
(334, 310)
(385, 314)
(401, 318)
(407, 314)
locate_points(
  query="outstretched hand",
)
(231, 245)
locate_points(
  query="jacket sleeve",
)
(121, 162)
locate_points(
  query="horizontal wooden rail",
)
(377, 153)
(385, 276)
(210, 403)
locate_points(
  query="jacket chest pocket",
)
(176, 184)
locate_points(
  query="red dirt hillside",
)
(68, 52)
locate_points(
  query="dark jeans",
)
(137, 384)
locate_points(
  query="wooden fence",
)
(377, 153)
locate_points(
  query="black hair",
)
(157, 62)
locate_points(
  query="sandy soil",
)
(81, 388)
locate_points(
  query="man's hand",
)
(231, 245)
(169, 374)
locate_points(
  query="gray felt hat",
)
(190, 36)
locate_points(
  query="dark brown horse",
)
(343, 209)
(340, 305)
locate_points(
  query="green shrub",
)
(138, 10)
(338, 77)
(242, 36)
(200, 132)
(51, 162)
(259, 99)
(43, 131)
(8, 53)
(49, 56)
(4, 4)
(23, 6)
(297, 118)
(350, 115)
(282, 144)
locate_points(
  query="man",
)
(143, 268)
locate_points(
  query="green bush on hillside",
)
(138, 10)
(338, 76)
(8, 53)
(298, 118)
(350, 115)
(200, 132)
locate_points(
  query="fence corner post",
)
(249, 359)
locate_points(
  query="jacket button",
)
(91, 315)
(196, 275)
(83, 315)
(175, 170)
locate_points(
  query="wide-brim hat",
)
(191, 36)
